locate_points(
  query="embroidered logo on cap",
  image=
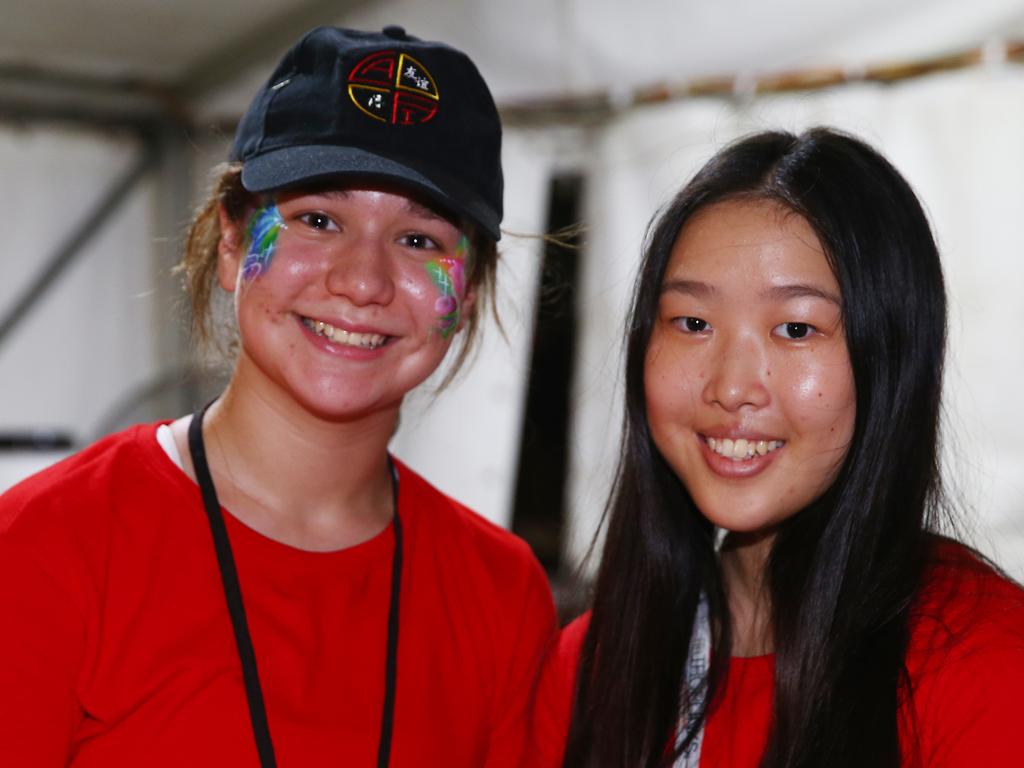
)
(394, 88)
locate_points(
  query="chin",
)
(745, 521)
(340, 404)
(348, 411)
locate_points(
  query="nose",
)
(737, 375)
(361, 272)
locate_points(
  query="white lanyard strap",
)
(698, 659)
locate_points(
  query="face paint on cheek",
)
(448, 273)
(262, 234)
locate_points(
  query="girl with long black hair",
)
(773, 589)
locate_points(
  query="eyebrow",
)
(799, 291)
(702, 290)
(421, 210)
(412, 206)
(690, 287)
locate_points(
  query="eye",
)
(794, 331)
(317, 220)
(419, 241)
(692, 324)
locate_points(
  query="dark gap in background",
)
(40, 440)
(539, 509)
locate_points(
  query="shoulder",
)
(60, 528)
(465, 566)
(966, 606)
(91, 474)
(72, 513)
(570, 640)
(470, 561)
(965, 661)
(562, 663)
(447, 523)
(552, 705)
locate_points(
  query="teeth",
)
(741, 449)
(340, 336)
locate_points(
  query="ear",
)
(230, 249)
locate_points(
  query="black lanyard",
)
(233, 595)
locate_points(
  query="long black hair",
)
(843, 572)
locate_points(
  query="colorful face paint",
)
(262, 233)
(449, 276)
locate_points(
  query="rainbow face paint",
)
(449, 277)
(262, 233)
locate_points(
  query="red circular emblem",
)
(394, 88)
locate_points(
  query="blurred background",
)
(112, 115)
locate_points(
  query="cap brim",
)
(293, 166)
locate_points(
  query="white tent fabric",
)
(535, 48)
(90, 339)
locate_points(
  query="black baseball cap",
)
(377, 105)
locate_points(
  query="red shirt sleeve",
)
(966, 666)
(42, 645)
(973, 712)
(552, 707)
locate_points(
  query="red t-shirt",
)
(965, 661)
(117, 648)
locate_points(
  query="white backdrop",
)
(91, 338)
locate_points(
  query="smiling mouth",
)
(346, 338)
(741, 449)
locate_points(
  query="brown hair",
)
(199, 262)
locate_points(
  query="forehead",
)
(749, 244)
(375, 192)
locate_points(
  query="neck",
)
(295, 477)
(743, 559)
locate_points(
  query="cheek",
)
(821, 400)
(262, 235)
(418, 289)
(447, 275)
(654, 381)
(273, 292)
(422, 298)
(670, 386)
(283, 268)
(255, 307)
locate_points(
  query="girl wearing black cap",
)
(773, 591)
(260, 582)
